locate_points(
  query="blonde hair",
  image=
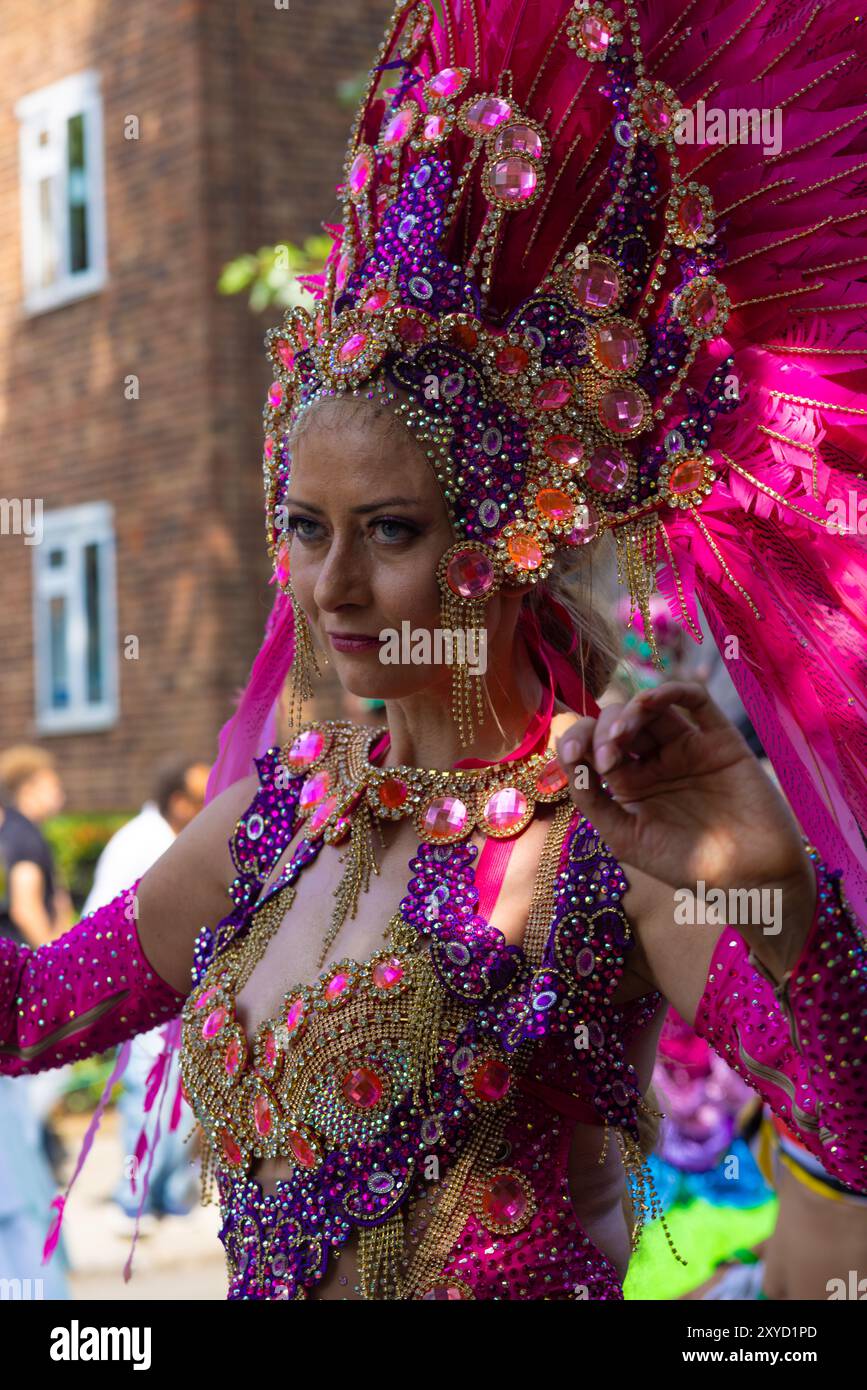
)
(20, 763)
(579, 583)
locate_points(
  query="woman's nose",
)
(341, 579)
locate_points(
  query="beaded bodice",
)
(411, 1064)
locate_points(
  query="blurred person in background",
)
(33, 909)
(177, 797)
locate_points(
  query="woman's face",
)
(368, 526)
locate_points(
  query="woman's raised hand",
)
(683, 798)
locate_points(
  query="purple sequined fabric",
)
(278, 1244)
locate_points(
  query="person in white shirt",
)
(178, 796)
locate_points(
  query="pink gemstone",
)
(446, 82)
(262, 1116)
(321, 814)
(269, 1049)
(595, 33)
(586, 526)
(486, 114)
(397, 128)
(445, 816)
(470, 573)
(597, 286)
(504, 1200)
(514, 179)
(294, 1014)
(491, 1080)
(336, 985)
(657, 115)
(551, 778)
(690, 214)
(518, 139)
(410, 330)
(205, 999)
(314, 790)
(362, 1087)
(617, 346)
(360, 172)
(269, 446)
(505, 808)
(443, 1293)
(434, 126)
(341, 272)
(608, 469)
(564, 449)
(301, 335)
(233, 1057)
(214, 1022)
(376, 301)
(302, 1151)
(552, 394)
(705, 307)
(621, 410)
(306, 749)
(281, 563)
(275, 394)
(352, 347)
(387, 973)
(285, 353)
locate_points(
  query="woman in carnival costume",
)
(546, 325)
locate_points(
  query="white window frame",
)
(50, 108)
(73, 528)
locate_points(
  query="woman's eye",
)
(304, 527)
(389, 529)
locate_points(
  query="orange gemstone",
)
(393, 793)
(525, 552)
(686, 476)
(231, 1151)
(464, 335)
(511, 360)
(554, 504)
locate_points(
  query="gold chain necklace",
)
(343, 794)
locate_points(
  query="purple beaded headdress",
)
(557, 268)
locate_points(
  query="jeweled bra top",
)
(444, 1062)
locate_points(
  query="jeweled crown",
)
(542, 336)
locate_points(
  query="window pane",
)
(94, 632)
(56, 559)
(47, 246)
(59, 672)
(76, 192)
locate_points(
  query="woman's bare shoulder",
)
(188, 886)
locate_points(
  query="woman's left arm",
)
(738, 925)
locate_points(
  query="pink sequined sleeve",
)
(801, 1044)
(88, 990)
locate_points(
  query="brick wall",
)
(242, 142)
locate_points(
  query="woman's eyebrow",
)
(367, 507)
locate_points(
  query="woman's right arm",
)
(126, 967)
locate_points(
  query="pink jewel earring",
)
(468, 575)
(304, 661)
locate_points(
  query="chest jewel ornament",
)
(343, 795)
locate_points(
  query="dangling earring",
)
(303, 661)
(468, 575)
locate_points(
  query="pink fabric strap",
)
(490, 872)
